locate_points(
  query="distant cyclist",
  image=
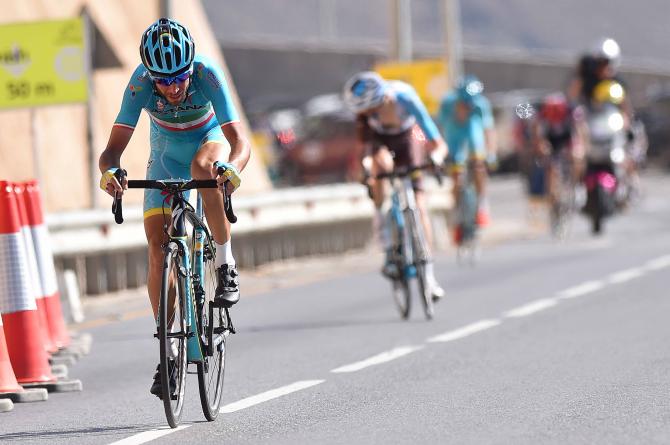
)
(558, 135)
(467, 121)
(396, 130)
(193, 119)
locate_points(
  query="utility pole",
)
(401, 29)
(453, 43)
(165, 8)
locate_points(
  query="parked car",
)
(319, 146)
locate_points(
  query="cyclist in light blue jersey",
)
(397, 130)
(193, 123)
(467, 121)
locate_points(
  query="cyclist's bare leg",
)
(425, 220)
(457, 180)
(201, 168)
(382, 162)
(153, 228)
(480, 178)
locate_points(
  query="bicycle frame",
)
(191, 268)
(402, 201)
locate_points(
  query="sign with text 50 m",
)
(42, 63)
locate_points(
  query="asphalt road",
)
(542, 342)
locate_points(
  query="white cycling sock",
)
(224, 254)
(430, 271)
(173, 352)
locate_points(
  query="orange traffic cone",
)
(19, 312)
(45, 263)
(8, 381)
(9, 387)
(33, 269)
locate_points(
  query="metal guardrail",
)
(274, 226)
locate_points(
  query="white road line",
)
(531, 308)
(658, 263)
(581, 289)
(470, 329)
(269, 395)
(626, 275)
(148, 436)
(378, 359)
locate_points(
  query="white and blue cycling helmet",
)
(468, 88)
(364, 91)
(167, 49)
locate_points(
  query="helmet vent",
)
(158, 58)
(177, 55)
(168, 61)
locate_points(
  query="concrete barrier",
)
(274, 226)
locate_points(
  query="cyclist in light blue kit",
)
(193, 124)
(466, 119)
(396, 129)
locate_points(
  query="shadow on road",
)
(47, 436)
(301, 326)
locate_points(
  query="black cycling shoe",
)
(228, 286)
(157, 388)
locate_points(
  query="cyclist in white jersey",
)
(397, 130)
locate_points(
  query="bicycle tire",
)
(419, 260)
(172, 279)
(213, 322)
(400, 285)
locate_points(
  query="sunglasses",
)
(167, 81)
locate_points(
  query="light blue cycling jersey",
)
(410, 111)
(465, 138)
(177, 131)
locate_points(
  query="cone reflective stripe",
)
(19, 314)
(33, 268)
(8, 381)
(45, 264)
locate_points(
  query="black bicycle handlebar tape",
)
(117, 206)
(227, 201)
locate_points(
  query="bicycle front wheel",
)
(420, 259)
(214, 325)
(401, 291)
(172, 335)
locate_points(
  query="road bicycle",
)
(466, 235)
(409, 246)
(192, 327)
(563, 202)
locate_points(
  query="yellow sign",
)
(428, 77)
(42, 63)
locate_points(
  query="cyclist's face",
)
(175, 93)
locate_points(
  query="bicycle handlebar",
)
(176, 185)
(407, 171)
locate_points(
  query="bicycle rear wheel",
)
(214, 325)
(420, 258)
(172, 333)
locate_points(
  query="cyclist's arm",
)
(490, 134)
(136, 95)
(215, 88)
(118, 141)
(240, 150)
(434, 142)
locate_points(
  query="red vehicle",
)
(321, 147)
